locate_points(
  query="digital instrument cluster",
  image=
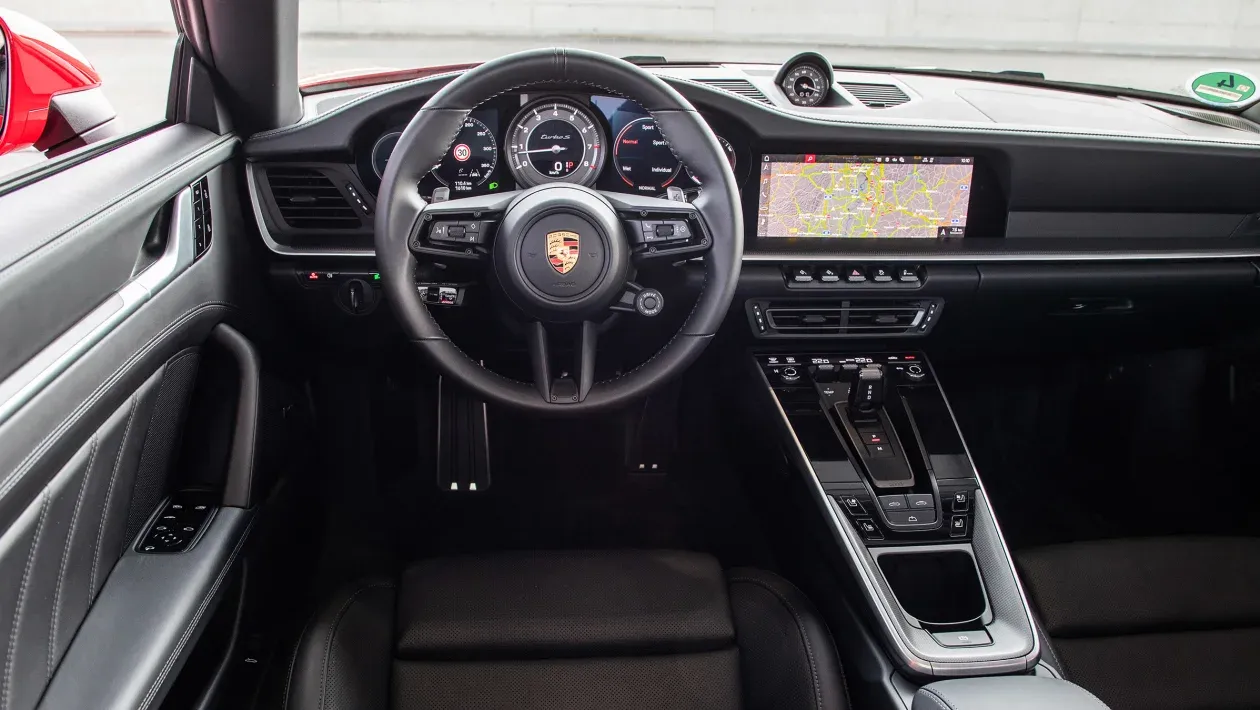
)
(603, 142)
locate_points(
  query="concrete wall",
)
(1190, 28)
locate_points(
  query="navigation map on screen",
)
(863, 196)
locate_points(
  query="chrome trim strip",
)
(861, 562)
(35, 374)
(255, 201)
(929, 257)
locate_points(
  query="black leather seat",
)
(1153, 623)
(604, 630)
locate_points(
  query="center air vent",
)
(832, 319)
(738, 86)
(876, 95)
(309, 199)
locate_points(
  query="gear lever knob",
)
(866, 394)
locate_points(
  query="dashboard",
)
(871, 207)
(523, 140)
(880, 167)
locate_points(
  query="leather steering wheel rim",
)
(432, 131)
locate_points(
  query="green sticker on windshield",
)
(1222, 88)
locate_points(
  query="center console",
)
(875, 438)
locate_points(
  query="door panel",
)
(54, 560)
(71, 240)
(93, 399)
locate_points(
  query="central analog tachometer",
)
(555, 141)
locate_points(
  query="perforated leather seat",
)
(603, 630)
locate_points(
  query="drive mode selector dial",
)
(555, 141)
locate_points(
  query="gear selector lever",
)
(867, 392)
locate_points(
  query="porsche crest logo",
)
(562, 250)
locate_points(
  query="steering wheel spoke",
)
(459, 229)
(565, 386)
(661, 229)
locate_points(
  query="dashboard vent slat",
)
(739, 87)
(876, 95)
(308, 199)
(892, 317)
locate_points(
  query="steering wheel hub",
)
(560, 253)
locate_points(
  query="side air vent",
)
(876, 95)
(308, 199)
(738, 86)
(837, 319)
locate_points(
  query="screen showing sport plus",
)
(863, 196)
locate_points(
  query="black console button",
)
(869, 529)
(908, 274)
(854, 275)
(874, 437)
(958, 526)
(802, 275)
(851, 504)
(828, 276)
(911, 517)
(960, 502)
(960, 639)
(921, 501)
(879, 451)
(891, 503)
(881, 274)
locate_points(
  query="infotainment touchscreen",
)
(838, 196)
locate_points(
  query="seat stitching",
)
(940, 702)
(323, 676)
(21, 601)
(293, 660)
(65, 555)
(800, 627)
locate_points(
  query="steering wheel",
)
(538, 232)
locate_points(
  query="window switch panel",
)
(181, 521)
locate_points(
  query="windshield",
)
(1152, 46)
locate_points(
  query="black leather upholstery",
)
(1024, 692)
(1153, 623)
(568, 630)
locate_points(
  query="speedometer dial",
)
(555, 141)
(643, 157)
(471, 159)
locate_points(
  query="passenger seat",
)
(1153, 623)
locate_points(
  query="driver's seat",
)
(557, 630)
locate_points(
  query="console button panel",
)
(897, 496)
(841, 275)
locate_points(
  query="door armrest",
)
(146, 620)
